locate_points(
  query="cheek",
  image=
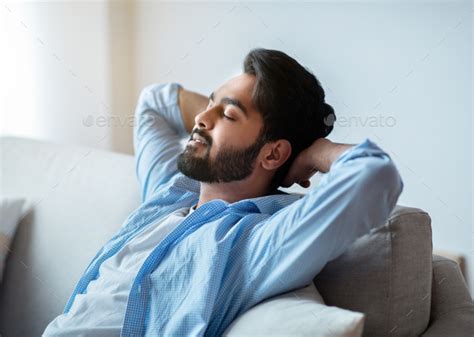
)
(230, 138)
(219, 145)
(216, 148)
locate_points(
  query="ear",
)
(275, 154)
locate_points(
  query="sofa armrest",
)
(452, 307)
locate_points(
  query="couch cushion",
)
(385, 274)
(297, 313)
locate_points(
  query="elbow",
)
(148, 98)
(382, 181)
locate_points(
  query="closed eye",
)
(227, 117)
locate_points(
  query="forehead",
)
(239, 87)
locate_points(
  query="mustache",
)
(202, 134)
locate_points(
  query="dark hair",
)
(291, 101)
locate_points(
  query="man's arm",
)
(157, 133)
(317, 157)
(358, 193)
(164, 115)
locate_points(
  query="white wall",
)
(399, 73)
(67, 72)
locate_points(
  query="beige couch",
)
(81, 196)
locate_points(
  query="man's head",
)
(277, 109)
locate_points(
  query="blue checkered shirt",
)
(225, 257)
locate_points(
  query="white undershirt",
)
(101, 309)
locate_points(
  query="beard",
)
(229, 165)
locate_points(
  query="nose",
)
(205, 119)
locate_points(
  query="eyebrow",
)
(231, 101)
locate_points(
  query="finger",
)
(305, 183)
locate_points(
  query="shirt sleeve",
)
(157, 133)
(288, 249)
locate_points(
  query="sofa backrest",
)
(80, 198)
(387, 275)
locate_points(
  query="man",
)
(214, 236)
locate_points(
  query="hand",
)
(319, 156)
(301, 170)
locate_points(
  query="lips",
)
(198, 138)
(196, 142)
